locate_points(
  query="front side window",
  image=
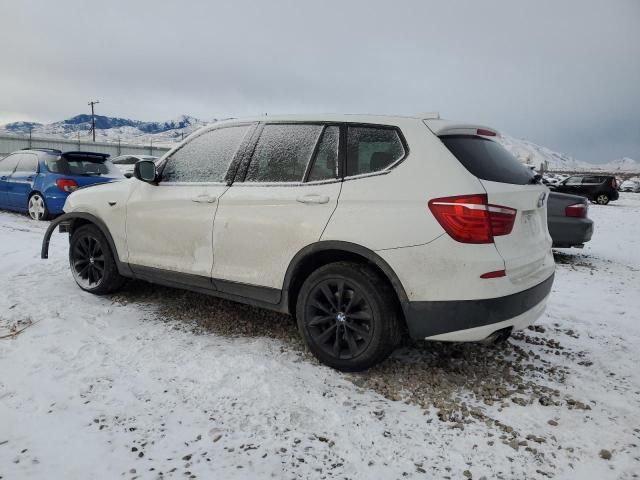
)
(282, 153)
(27, 164)
(574, 181)
(206, 158)
(8, 165)
(325, 163)
(372, 149)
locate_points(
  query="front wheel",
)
(602, 199)
(348, 316)
(92, 263)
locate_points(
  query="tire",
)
(342, 334)
(91, 261)
(602, 199)
(37, 207)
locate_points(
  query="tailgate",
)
(527, 249)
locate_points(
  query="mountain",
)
(533, 154)
(167, 133)
(111, 129)
(624, 164)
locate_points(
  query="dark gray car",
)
(567, 220)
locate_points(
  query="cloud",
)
(563, 74)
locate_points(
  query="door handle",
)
(313, 199)
(204, 198)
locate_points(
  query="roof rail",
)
(53, 150)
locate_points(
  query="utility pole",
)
(151, 149)
(30, 128)
(93, 118)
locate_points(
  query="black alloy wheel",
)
(348, 315)
(340, 320)
(87, 261)
(92, 262)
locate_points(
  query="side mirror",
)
(145, 171)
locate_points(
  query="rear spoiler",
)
(446, 127)
(88, 155)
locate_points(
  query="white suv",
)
(359, 226)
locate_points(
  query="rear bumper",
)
(472, 320)
(568, 231)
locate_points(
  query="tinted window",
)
(83, 166)
(325, 164)
(8, 165)
(125, 161)
(206, 158)
(28, 164)
(371, 149)
(592, 180)
(487, 159)
(573, 181)
(282, 153)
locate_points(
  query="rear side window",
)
(206, 158)
(592, 180)
(125, 161)
(282, 153)
(325, 164)
(28, 164)
(487, 159)
(371, 149)
(8, 165)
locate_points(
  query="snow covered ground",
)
(137, 386)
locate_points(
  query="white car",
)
(360, 227)
(125, 163)
(630, 186)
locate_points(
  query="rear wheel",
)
(348, 316)
(602, 199)
(92, 264)
(37, 207)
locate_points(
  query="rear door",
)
(21, 181)
(7, 166)
(527, 249)
(282, 204)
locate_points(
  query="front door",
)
(170, 225)
(7, 166)
(21, 181)
(290, 190)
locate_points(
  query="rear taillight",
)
(67, 185)
(614, 183)
(578, 210)
(470, 219)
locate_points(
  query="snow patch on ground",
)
(102, 388)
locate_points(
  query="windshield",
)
(83, 167)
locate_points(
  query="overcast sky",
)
(565, 74)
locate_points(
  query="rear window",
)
(82, 166)
(487, 159)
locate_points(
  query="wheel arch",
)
(322, 253)
(69, 222)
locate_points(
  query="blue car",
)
(38, 181)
